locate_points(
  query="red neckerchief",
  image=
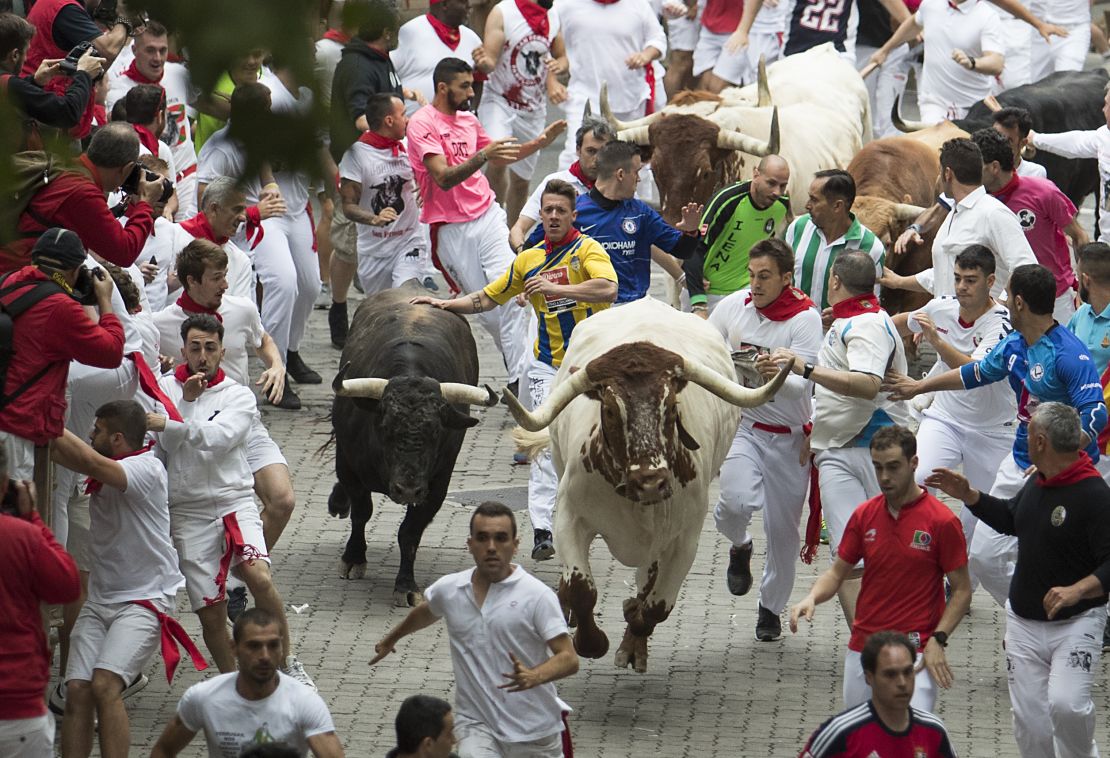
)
(549, 248)
(199, 227)
(94, 172)
(535, 16)
(337, 35)
(172, 633)
(93, 486)
(1004, 193)
(377, 53)
(606, 2)
(146, 139)
(1077, 472)
(790, 302)
(99, 115)
(182, 374)
(649, 77)
(854, 306)
(373, 139)
(576, 171)
(149, 385)
(254, 231)
(132, 72)
(189, 305)
(447, 35)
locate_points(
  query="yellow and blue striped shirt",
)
(574, 263)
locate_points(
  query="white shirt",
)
(242, 334)
(1029, 168)
(599, 40)
(868, 343)
(132, 555)
(746, 331)
(162, 248)
(521, 615)
(531, 207)
(291, 714)
(387, 181)
(988, 408)
(419, 49)
(328, 53)
(293, 185)
(978, 219)
(223, 156)
(1085, 144)
(206, 453)
(1062, 12)
(520, 76)
(972, 27)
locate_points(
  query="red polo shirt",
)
(906, 560)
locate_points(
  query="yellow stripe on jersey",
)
(574, 263)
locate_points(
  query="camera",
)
(83, 291)
(9, 504)
(68, 65)
(130, 185)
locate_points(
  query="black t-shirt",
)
(815, 22)
(874, 24)
(72, 26)
(360, 73)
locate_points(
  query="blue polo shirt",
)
(1093, 330)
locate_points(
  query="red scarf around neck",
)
(93, 486)
(549, 248)
(182, 374)
(199, 227)
(447, 35)
(1077, 472)
(606, 2)
(854, 306)
(148, 383)
(147, 139)
(576, 170)
(133, 73)
(189, 305)
(373, 139)
(535, 16)
(337, 35)
(790, 302)
(1008, 190)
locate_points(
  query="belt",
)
(776, 429)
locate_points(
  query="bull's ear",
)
(452, 419)
(684, 436)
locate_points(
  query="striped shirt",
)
(858, 732)
(574, 263)
(814, 255)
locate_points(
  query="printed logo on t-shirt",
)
(922, 540)
(1036, 372)
(769, 226)
(557, 303)
(1059, 513)
(630, 225)
(869, 535)
(920, 752)
(1027, 218)
(388, 194)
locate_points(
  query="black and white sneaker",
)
(294, 668)
(768, 627)
(544, 546)
(236, 602)
(57, 702)
(139, 682)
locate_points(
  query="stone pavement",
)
(711, 689)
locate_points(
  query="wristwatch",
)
(120, 21)
(941, 638)
(807, 369)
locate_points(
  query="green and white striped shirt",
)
(813, 254)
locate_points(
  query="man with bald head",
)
(737, 217)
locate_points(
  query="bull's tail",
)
(531, 444)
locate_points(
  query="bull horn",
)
(762, 85)
(370, 387)
(729, 390)
(587, 111)
(904, 126)
(453, 392)
(637, 136)
(729, 140)
(619, 126)
(560, 398)
(907, 211)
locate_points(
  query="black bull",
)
(405, 443)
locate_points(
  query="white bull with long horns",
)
(641, 416)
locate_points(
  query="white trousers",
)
(476, 740)
(1017, 68)
(474, 253)
(857, 690)
(935, 111)
(847, 480)
(577, 98)
(27, 738)
(543, 482)
(21, 458)
(1051, 666)
(289, 272)
(993, 555)
(1064, 307)
(501, 120)
(381, 272)
(762, 473)
(1063, 53)
(885, 85)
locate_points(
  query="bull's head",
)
(886, 218)
(410, 415)
(640, 444)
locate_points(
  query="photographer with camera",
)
(74, 198)
(62, 26)
(28, 94)
(46, 337)
(34, 569)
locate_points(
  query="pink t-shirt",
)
(456, 138)
(1043, 211)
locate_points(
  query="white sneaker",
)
(136, 684)
(323, 298)
(295, 669)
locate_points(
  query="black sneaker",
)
(544, 548)
(1106, 639)
(290, 400)
(768, 627)
(296, 368)
(236, 602)
(337, 324)
(739, 573)
(430, 284)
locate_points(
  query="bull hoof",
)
(633, 651)
(591, 644)
(351, 570)
(407, 599)
(339, 505)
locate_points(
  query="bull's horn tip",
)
(337, 382)
(492, 399)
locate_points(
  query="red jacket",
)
(52, 333)
(74, 200)
(42, 17)
(34, 569)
